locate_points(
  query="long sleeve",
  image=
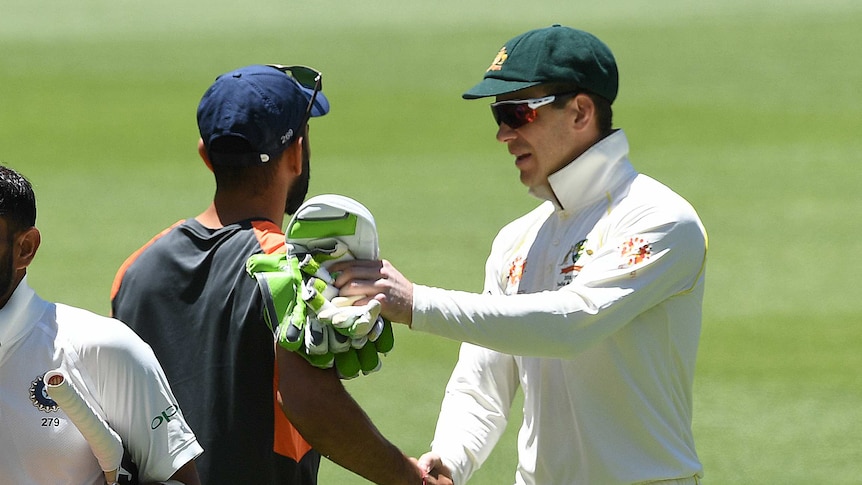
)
(623, 273)
(475, 409)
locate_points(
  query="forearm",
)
(336, 426)
(547, 324)
(475, 409)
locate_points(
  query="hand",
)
(355, 321)
(376, 280)
(306, 322)
(354, 334)
(436, 471)
(432, 479)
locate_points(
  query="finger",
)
(356, 270)
(348, 264)
(428, 462)
(361, 292)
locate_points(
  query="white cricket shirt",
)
(593, 307)
(113, 368)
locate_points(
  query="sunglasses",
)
(518, 112)
(306, 77)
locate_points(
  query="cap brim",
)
(321, 104)
(494, 87)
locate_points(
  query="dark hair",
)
(234, 176)
(604, 113)
(17, 200)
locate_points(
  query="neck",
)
(226, 210)
(13, 285)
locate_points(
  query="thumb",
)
(429, 461)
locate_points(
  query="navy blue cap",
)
(259, 104)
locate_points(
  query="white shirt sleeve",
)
(608, 293)
(475, 409)
(125, 379)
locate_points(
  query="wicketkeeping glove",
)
(326, 229)
(285, 310)
(301, 304)
(280, 284)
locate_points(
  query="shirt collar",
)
(594, 175)
(19, 314)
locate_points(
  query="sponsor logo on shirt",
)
(633, 252)
(516, 271)
(164, 417)
(39, 396)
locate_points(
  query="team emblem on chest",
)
(39, 396)
(570, 260)
(571, 264)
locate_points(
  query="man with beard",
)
(105, 362)
(187, 294)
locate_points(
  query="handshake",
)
(302, 307)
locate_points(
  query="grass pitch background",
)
(750, 109)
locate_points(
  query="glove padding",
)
(354, 330)
(326, 333)
(280, 284)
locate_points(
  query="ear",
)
(25, 246)
(202, 151)
(292, 157)
(585, 110)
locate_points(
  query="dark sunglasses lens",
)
(514, 115)
(305, 76)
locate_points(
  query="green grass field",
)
(750, 109)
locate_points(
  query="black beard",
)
(7, 271)
(299, 189)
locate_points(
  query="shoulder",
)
(96, 337)
(655, 212)
(652, 202)
(526, 224)
(269, 236)
(137, 255)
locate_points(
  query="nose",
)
(505, 133)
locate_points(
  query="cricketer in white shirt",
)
(111, 367)
(595, 312)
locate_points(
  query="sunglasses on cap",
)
(518, 112)
(308, 78)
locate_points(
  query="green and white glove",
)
(301, 304)
(351, 332)
(329, 228)
(280, 283)
(285, 310)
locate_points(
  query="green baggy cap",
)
(552, 54)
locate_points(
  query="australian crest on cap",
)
(499, 60)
